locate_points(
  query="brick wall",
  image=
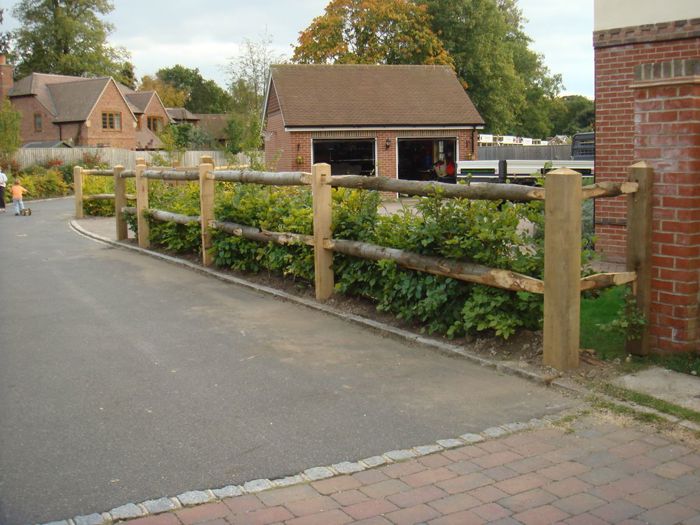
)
(28, 106)
(282, 148)
(667, 136)
(110, 101)
(617, 53)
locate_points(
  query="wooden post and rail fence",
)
(563, 194)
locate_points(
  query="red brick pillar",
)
(667, 136)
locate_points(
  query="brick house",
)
(97, 112)
(647, 93)
(392, 121)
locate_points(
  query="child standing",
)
(17, 192)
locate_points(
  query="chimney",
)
(6, 77)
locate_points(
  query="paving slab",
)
(673, 387)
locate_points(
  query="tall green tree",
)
(506, 80)
(66, 37)
(203, 96)
(371, 32)
(5, 36)
(249, 74)
(571, 114)
(10, 120)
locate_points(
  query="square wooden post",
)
(206, 205)
(119, 203)
(639, 231)
(562, 268)
(78, 191)
(144, 229)
(323, 216)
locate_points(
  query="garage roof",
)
(369, 95)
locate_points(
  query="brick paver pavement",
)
(594, 470)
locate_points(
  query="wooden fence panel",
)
(26, 157)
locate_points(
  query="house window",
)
(111, 121)
(37, 122)
(155, 123)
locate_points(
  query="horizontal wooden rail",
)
(166, 216)
(127, 174)
(603, 280)
(171, 175)
(106, 196)
(256, 234)
(609, 189)
(485, 191)
(463, 271)
(129, 210)
(261, 177)
(99, 173)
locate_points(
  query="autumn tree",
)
(169, 95)
(371, 32)
(66, 37)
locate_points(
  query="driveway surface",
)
(124, 378)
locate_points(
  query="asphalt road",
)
(124, 378)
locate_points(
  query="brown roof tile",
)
(371, 95)
(74, 100)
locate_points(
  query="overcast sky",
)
(208, 34)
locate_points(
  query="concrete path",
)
(124, 378)
(592, 471)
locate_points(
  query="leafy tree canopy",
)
(483, 40)
(203, 96)
(66, 37)
(5, 37)
(10, 120)
(572, 114)
(249, 75)
(371, 32)
(169, 95)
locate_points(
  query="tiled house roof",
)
(369, 95)
(182, 115)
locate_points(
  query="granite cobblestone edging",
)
(194, 498)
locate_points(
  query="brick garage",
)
(648, 109)
(391, 121)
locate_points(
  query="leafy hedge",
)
(482, 232)
(41, 183)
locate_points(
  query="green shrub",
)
(93, 185)
(41, 183)
(480, 232)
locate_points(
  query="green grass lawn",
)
(609, 345)
(602, 310)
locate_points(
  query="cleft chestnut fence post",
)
(206, 205)
(323, 215)
(120, 203)
(78, 191)
(562, 269)
(143, 227)
(639, 232)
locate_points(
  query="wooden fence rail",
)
(562, 195)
